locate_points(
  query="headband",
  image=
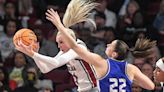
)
(160, 64)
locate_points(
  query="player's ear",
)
(114, 54)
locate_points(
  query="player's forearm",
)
(45, 63)
(148, 84)
(142, 79)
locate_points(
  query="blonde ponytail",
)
(78, 11)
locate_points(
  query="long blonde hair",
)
(78, 11)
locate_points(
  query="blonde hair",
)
(70, 31)
(78, 11)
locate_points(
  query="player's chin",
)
(156, 79)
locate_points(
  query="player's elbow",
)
(43, 71)
(152, 86)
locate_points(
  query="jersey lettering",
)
(118, 85)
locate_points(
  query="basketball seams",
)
(25, 40)
(26, 35)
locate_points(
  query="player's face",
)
(158, 75)
(61, 45)
(110, 49)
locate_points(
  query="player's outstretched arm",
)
(141, 79)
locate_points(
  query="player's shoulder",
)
(132, 67)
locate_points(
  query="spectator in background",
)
(52, 36)
(159, 25)
(131, 22)
(10, 11)
(46, 47)
(6, 39)
(147, 69)
(31, 81)
(110, 16)
(46, 86)
(108, 35)
(37, 17)
(159, 19)
(132, 11)
(4, 81)
(25, 7)
(138, 62)
(1, 62)
(122, 11)
(111, 19)
(136, 88)
(17, 72)
(2, 13)
(100, 20)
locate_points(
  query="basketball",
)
(27, 36)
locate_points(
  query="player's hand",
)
(35, 46)
(28, 50)
(53, 16)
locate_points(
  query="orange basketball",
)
(27, 36)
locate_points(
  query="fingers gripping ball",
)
(27, 36)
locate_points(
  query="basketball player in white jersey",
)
(82, 72)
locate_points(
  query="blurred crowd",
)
(127, 20)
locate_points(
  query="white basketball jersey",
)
(84, 74)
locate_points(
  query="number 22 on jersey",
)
(117, 85)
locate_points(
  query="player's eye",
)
(60, 42)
